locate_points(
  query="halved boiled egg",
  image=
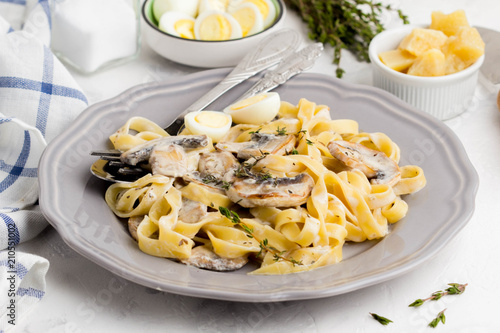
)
(249, 17)
(214, 124)
(267, 9)
(177, 24)
(211, 5)
(189, 7)
(256, 110)
(214, 25)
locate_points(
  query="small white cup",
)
(92, 35)
(441, 96)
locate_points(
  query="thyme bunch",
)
(344, 24)
(264, 244)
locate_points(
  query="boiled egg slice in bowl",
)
(249, 17)
(188, 7)
(211, 5)
(215, 25)
(214, 124)
(255, 110)
(266, 8)
(177, 24)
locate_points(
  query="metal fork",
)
(292, 65)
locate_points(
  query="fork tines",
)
(125, 169)
(108, 155)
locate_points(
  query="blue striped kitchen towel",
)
(38, 99)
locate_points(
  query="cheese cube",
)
(420, 40)
(430, 63)
(397, 59)
(449, 24)
(467, 45)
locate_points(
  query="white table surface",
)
(84, 297)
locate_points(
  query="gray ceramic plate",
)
(73, 201)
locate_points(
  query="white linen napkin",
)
(23, 285)
(38, 99)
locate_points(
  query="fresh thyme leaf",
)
(209, 179)
(212, 179)
(380, 319)
(440, 318)
(247, 229)
(244, 170)
(301, 134)
(417, 303)
(343, 24)
(455, 288)
(281, 131)
(437, 295)
(232, 216)
(309, 142)
(257, 131)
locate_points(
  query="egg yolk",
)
(215, 27)
(247, 102)
(212, 119)
(185, 28)
(262, 5)
(246, 18)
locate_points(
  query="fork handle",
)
(294, 64)
(268, 52)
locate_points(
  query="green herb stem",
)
(343, 24)
(453, 289)
(264, 244)
(439, 318)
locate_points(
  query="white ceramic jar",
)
(91, 35)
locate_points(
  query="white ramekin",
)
(442, 96)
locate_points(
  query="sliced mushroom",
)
(261, 143)
(192, 211)
(133, 224)
(143, 151)
(218, 164)
(376, 165)
(169, 160)
(203, 257)
(272, 192)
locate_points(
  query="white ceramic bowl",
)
(442, 96)
(206, 54)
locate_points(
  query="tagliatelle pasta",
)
(352, 181)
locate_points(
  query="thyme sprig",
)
(244, 170)
(263, 244)
(281, 131)
(254, 132)
(439, 318)
(380, 319)
(454, 289)
(344, 24)
(207, 179)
